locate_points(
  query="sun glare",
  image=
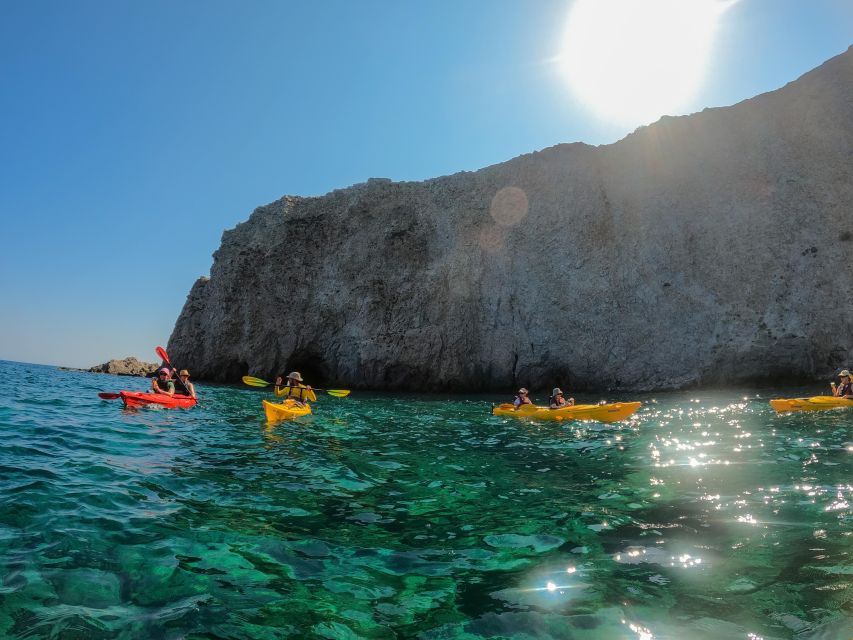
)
(632, 61)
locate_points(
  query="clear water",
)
(704, 516)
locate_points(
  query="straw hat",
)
(844, 374)
(557, 391)
(294, 375)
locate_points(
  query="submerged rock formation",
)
(706, 249)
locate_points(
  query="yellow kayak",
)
(815, 403)
(601, 412)
(277, 411)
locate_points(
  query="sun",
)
(632, 61)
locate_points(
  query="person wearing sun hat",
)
(184, 377)
(845, 388)
(521, 398)
(163, 382)
(557, 401)
(294, 389)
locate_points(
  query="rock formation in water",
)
(126, 367)
(707, 249)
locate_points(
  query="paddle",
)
(161, 353)
(109, 396)
(257, 382)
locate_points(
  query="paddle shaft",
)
(252, 381)
(337, 393)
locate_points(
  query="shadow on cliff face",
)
(312, 366)
(235, 371)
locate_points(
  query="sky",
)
(132, 134)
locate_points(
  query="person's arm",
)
(281, 390)
(191, 389)
(154, 386)
(310, 395)
(570, 402)
(170, 388)
(834, 388)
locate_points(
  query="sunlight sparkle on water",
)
(641, 631)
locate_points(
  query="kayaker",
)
(557, 401)
(521, 398)
(294, 389)
(163, 383)
(845, 388)
(184, 377)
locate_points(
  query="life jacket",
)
(163, 385)
(297, 392)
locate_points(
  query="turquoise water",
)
(380, 516)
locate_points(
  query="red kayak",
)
(138, 399)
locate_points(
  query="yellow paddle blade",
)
(338, 393)
(255, 382)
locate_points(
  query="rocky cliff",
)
(715, 248)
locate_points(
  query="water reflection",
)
(382, 516)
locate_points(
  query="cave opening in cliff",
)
(312, 366)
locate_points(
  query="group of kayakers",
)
(843, 389)
(165, 384)
(556, 401)
(295, 389)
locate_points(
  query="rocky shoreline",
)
(125, 367)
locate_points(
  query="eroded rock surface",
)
(126, 367)
(708, 249)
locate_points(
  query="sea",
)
(704, 516)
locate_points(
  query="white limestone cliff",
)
(707, 249)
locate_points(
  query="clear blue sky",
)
(133, 133)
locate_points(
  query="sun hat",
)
(184, 372)
(844, 373)
(557, 391)
(164, 370)
(294, 375)
(522, 390)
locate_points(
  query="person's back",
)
(295, 389)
